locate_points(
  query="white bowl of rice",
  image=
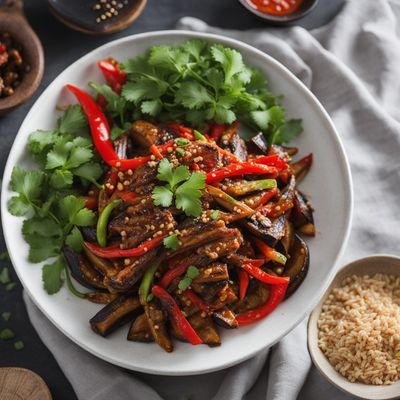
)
(354, 332)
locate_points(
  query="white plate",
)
(328, 184)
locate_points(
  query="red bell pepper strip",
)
(273, 160)
(178, 319)
(263, 277)
(266, 197)
(90, 202)
(269, 252)
(180, 130)
(244, 280)
(216, 131)
(255, 263)
(173, 273)
(127, 197)
(276, 295)
(238, 169)
(232, 158)
(196, 300)
(130, 163)
(116, 252)
(98, 124)
(113, 74)
(156, 151)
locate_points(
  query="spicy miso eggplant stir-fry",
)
(149, 197)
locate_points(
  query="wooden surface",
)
(22, 384)
(12, 20)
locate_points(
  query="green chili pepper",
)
(147, 281)
(101, 230)
(199, 136)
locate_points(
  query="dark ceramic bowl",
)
(305, 7)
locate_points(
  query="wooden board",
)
(22, 384)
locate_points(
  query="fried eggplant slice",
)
(144, 133)
(231, 141)
(300, 168)
(82, 270)
(205, 327)
(101, 297)
(125, 279)
(140, 331)
(226, 318)
(302, 215)
(157, 322)
(115, 314)
(297, 266)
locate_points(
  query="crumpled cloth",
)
(353, 66)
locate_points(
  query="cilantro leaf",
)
(90, 171)
(18, 206)
(184, 283)
(44, 237)
(171, 242)
(192, 272)
(173, 176)
(39, 140)
(144, 89)
(188, 194)
(151, 107)
(73, 120)
(61, 179)
(72, 209)
(230, 60)
(193, 95)
(287, 131)
(51, 276)
(19, 345)
(116, 132)
(162, 196)
(75, 239)
(215, 214)
(115, 103)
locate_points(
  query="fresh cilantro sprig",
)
(48, 197)
(181, 185)
(196, 82)
(191, 273)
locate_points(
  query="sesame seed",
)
(130, 172)
(152, 157)
(127, 261)
(126, 183)
(120, 186)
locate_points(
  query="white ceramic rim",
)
(314, 350)
(344, 164)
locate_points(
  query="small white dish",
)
(380, 263)
(328, 184)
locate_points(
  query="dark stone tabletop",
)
(63, 46)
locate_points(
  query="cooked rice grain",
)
(359, 329)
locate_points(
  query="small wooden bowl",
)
(381, 263)
(22, 384)
(306, 7)
(12, 20)
(80, 16)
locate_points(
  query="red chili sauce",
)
(276, 7)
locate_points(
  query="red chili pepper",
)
(98, 124)
(130, 163)
(173, 273)
(269, 252)
(115, 252)
(276, 295)
(111, 182)
(267, 196)
(238, 169)
(194, 167)
(178, 319)
(262, 276)
(196, 300)
(244, 280)
(113, 74)
(255, 263)
(273, 160)
(216, 131)
(154, 149)
(90, 202)
(127, 197)
(180, 130)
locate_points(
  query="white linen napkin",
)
(353, 66)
